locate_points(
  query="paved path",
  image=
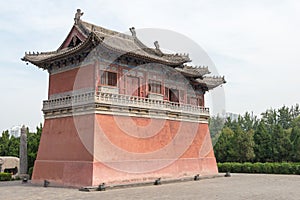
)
(237, 187)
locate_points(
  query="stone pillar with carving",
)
(23, 151)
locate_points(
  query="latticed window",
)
(108, 78)
(154, 86)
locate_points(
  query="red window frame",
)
(154, 86)
(108, 78)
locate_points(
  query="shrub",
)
(5, 177)
(225, 167)
(286, 168)
(236, 167)
(257, 168)
(265, 168)
(276, 168)
(298, 169)
(247, 167)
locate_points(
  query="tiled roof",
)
(193, 71)
(127, 43)
(211, 81)
(38, 59)
(123, 44)
(120, 42)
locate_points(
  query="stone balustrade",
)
(121, 100)
(69, 101)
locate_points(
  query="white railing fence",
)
(121, 100)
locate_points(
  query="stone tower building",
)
(119, 111)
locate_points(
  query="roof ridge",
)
(97, 28)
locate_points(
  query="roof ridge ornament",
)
(156, 45)
(93, 28)
(132, 30)
(78, 14)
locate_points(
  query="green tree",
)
(281, 144)
(295, 111)
(284, 117)
(9, 146)
(270, 119)
(13, 146)
(4, 143)
(275, 137)
(248, 122)
(215, 127)
(244, 145)
(224, 148)
(229, 123)
(33, 145)
(295, 140)
(262, 140)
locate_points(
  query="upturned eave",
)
(44, 59)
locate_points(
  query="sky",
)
(254, 44)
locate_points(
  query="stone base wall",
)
(88, 150)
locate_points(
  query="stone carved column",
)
(23, 151)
